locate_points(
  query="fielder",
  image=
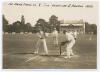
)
(70, 41)
(55, 36)
(41, 41)
(75, 33)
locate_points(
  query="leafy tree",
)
(22, 24)
(42, 25)
(34, 29)
(87, 27)
(10, 28)
(90, 28)
(5, 24)
(54, 23)
(22, 20)
(16, 26)
(93, 28)
(28, 27)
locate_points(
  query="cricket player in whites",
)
(41, 41)
(55, 36)
(75, 33)
(70, 41)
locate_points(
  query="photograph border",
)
(49, 70)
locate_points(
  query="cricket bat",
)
(62, 44)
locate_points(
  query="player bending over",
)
(70, 41)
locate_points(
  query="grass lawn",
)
(18, 53)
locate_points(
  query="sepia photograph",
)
(49, 34)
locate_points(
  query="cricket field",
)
(18, 53)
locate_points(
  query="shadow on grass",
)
(48, 55)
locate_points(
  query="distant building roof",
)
(71, 24)
(71, 21)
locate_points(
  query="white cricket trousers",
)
(69, 48)
(55, 40)
(42, 42)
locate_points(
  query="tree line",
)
(90, 28)
(20, 26)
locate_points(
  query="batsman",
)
(70, 41)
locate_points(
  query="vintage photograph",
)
(49, 34)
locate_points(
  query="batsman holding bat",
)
(70, 41)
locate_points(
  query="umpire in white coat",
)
(41, 41)
(55, 36)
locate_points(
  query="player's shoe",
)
(75, 56)
(44, 54)
(36, 52)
